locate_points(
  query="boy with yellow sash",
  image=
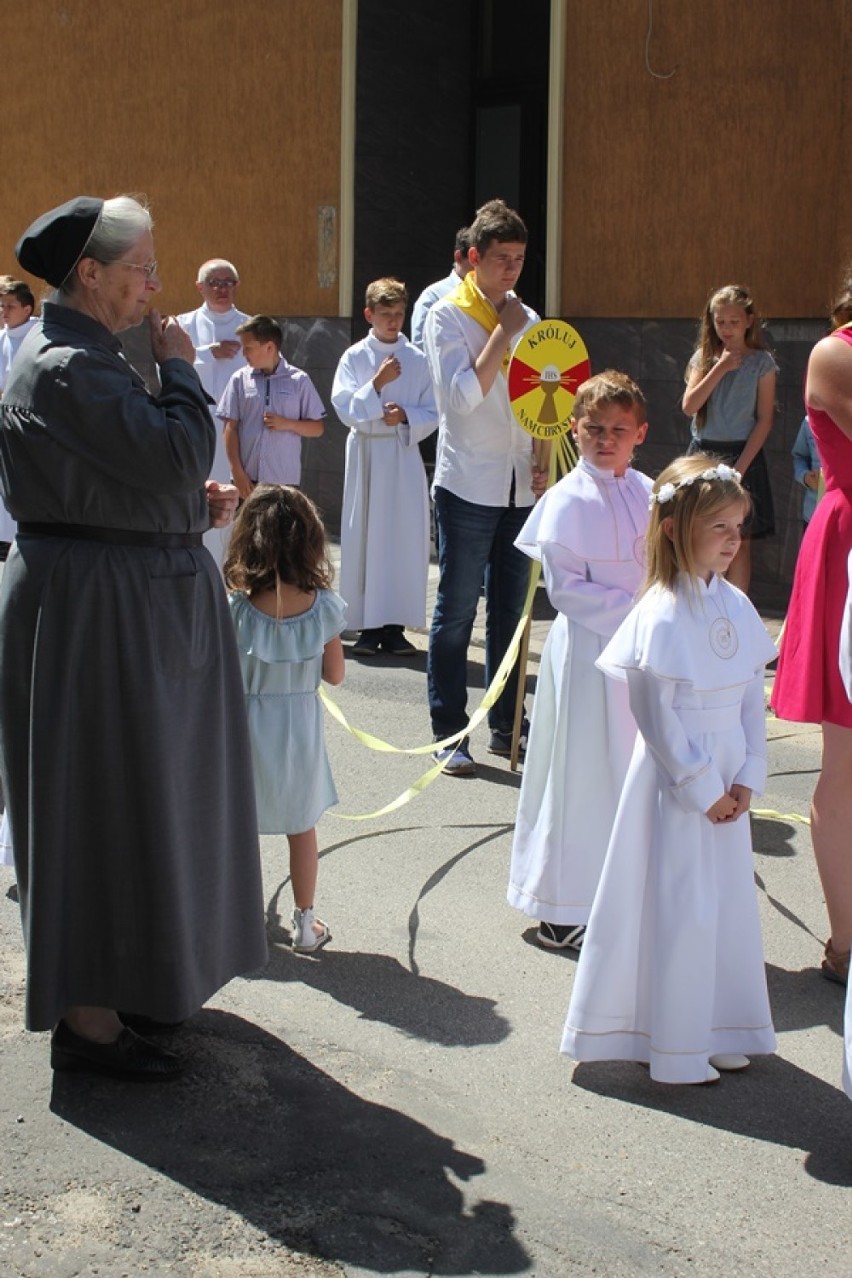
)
(484, 481)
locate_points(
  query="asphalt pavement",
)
(397, 1104)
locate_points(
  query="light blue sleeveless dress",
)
(281, 664)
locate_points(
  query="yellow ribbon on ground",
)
(491, 694)
(769, 814)
(467, 296)
(563, 457)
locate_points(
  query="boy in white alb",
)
(383, 392)
(16, 310)
(589, 533)
(16, 305)
(268, 407)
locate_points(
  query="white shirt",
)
(431, 294)
(207, 328)
(481, 447)
(10, 344)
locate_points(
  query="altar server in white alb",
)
(589, 533)
(17, 304)
(218, 354)
(671, 971)
(383, 392)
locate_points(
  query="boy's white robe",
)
(671, 970)
(384, 528)
(588, 531)
(207, 328)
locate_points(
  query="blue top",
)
(732, 406)
(270, 456)
(281, 663)
(805, 458)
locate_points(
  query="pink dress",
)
(808, 685)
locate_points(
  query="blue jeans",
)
(476, 542)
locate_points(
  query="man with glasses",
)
(218, 354)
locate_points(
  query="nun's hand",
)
(222, 503)
(169, 340)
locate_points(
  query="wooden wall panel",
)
(732, 169)
(226, 115)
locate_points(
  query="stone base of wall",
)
(655, 353)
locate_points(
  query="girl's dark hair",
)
(278, 536)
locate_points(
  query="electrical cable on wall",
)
(656, 74)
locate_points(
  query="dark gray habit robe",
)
(124, 752)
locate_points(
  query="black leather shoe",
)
(129, 1057)
(147, 1026)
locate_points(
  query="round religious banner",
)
(547, 366)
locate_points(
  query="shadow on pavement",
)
(380, 989)
(772, 838)
(259, 1129)
(804, 999)
(774, 1101)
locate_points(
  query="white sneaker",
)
(306, 939)
(730, 1061)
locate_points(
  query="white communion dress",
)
(672, 970)
(589, 533)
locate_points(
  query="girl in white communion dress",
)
(671, 972)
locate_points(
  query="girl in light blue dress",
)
(288, 622)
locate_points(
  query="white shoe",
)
(306, 939)
(730, 1061)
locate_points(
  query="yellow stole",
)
(467, 297)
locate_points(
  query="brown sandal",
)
(835, 966)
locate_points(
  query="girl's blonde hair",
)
(684, 492)
(709, 347)
(278, 536)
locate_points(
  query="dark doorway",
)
(451, 111)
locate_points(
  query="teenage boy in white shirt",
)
(484, 481)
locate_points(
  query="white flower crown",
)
(667, 491)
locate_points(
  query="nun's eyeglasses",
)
(149, 268)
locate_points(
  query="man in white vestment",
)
(218, 354)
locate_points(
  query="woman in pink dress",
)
(808, 686)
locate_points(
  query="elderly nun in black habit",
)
(123, 747)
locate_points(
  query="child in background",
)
(383, 392)
(671, 971)
(807, 469)
(267, 408)
(589, 533)
(730, 396)
(17, 304)
(288, 622)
